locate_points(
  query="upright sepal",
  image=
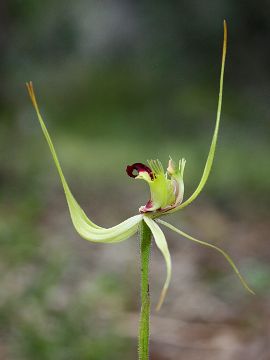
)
(211, 154)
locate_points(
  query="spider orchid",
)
(166, 188)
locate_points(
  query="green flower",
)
(166, 188)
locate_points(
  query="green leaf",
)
(227, 257)
(212, 150)
(84, 226)
(163, 247)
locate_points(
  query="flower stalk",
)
(166, 197)
(144, 326)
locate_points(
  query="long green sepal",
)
(211, 154)
(163, 247)
(84, 226)
(227, 257)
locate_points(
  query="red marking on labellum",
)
(147, 207)
(138, 167)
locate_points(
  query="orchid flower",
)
(167, 192)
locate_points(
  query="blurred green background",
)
(121, 82)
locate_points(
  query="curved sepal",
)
(84, 226)
(163, 247)
(211, 154)
(227, 257)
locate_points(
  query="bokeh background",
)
(121, 82)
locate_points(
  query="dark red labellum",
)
(138, 167)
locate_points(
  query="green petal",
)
(211, 154)
(163, 247)
(227, 257)
(84, 226)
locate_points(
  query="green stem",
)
(145, 247)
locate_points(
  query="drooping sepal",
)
(204, 243)
(163, 247)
